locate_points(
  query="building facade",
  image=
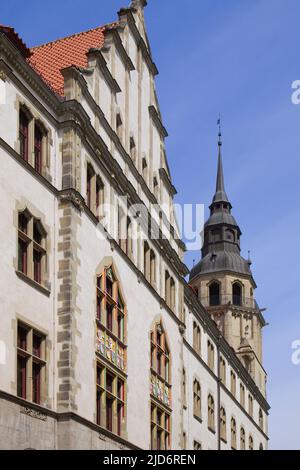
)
(103, 343)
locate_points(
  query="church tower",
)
(225, 285)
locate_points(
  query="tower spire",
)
(220, 194)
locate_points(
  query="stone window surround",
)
(197, 399)
(223, 424)
(31, 359)
(46, 401)
(20, 207)
(211, 413)
(105, 369)
(34, 119)
(233, 433)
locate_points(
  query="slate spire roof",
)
(221, 247)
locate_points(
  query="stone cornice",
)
(164, 176)
(157, 121)
(208, 324)
(112, 35)
(126, 15)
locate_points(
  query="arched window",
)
(210, 355)
(160, 390)
(125, 233)
(197, 399)
(99, 197)
(236, 294)
(233, 433)
(110, 348)
(250, 405)
(242, 439)
(197, 338)
(31, 247)
(211, 413)
(214, 294)
(250, 442)
(230, 235)
(170, 292)
(261, 419)
(216, 235)
(149, 264)
(233, 383)
(223, 424)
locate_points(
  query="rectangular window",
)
(31, 364)
(110, 400)
(23, 135)
(160, 428)
(38, 146)
(31, 247)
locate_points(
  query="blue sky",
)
(239, 58)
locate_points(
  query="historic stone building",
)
(103, 344)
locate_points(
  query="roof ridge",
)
(104, 27)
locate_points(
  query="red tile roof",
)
(49, 59)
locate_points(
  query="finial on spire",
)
(220, 132)
(138, 3)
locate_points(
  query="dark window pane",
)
(22, 256)
(21, 377)
(36, 383)
(22, 338)
(109, 407)
(36, 345)
(37, 266)
(109, 383)
(109, 316)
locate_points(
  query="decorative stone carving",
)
(34, 413)
(73, 197)
(2, 75)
